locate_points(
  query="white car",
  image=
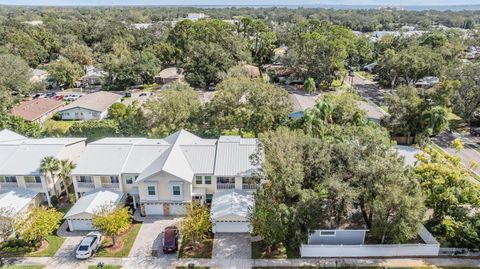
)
(89, 245)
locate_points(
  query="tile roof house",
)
(37, 110)
(90, 107)
(162, 175)
(20, 159)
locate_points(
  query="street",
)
(468, 155)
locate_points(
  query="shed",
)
(79, 217)
(229, 212)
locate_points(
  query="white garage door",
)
(153, 209)
(81, 225)
(177, 209)
(232, 227)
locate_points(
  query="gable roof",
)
(36, 108)
(23, 156)
(7, 135)
(15, 200)
(231, 203)
(97, 101)
(173, 161)
(92, 201)
(181, 154)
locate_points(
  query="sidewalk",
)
(172, 262)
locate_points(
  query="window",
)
(85, 179)
(327, 233)
(114, 179)
(151, 190)
(209, 198)
(130, 179)
(225, 180)
(176, 190)
(33, 179)
(10, 179)
(208, 180)
(198, 179)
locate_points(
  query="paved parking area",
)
(232, 246)
(150, 234)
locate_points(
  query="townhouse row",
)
(157, 176)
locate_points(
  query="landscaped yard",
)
(106, 266)
(54, 243)
(25, 266)
(259, 251)
(20, 248)
(202, 251)
(124, 243)
(57, 128)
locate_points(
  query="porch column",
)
(134, 202)
(48, 198)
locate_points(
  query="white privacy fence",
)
(430, 248)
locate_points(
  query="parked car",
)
(72, 97)
(212, 87)
(89, 245)
(143, 94)
(40, 95)
(58, 97)
(128, 94)
(170, 239)
(475, 131)
(51, 94)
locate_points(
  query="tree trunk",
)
(114, 240)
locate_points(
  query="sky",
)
(243, 2)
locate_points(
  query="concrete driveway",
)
(150, 234)
(232, 246)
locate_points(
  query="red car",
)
(170, 239)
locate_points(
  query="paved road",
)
(372, 92)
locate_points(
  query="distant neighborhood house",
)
(93, 76)
(168, 75)
(37, 110)
(92, 106)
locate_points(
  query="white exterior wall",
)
(76, 114)
(369, 250)
(430, 248)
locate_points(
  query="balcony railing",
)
(225, 186)
(8, 185)
(86, 185)
(251, 186)
(108, 185)
(33, 186)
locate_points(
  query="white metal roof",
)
(92, 201)
(181, 154)
(233, 156)
(23, 157)
(230, 203)
(7, 135)
(15, 200)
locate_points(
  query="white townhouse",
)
(93, 106)
(20, 159)
(162, 175)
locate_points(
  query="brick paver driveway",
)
(150, 234)
(232, 246)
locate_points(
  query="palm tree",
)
(65, 172)
(49, 167)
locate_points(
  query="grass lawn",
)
(203, 251)
(106, 266)
(54, 243)
(259, 251)
(125, 242)
(456, 123)
(31, 266)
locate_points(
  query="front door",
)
(166, 209)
